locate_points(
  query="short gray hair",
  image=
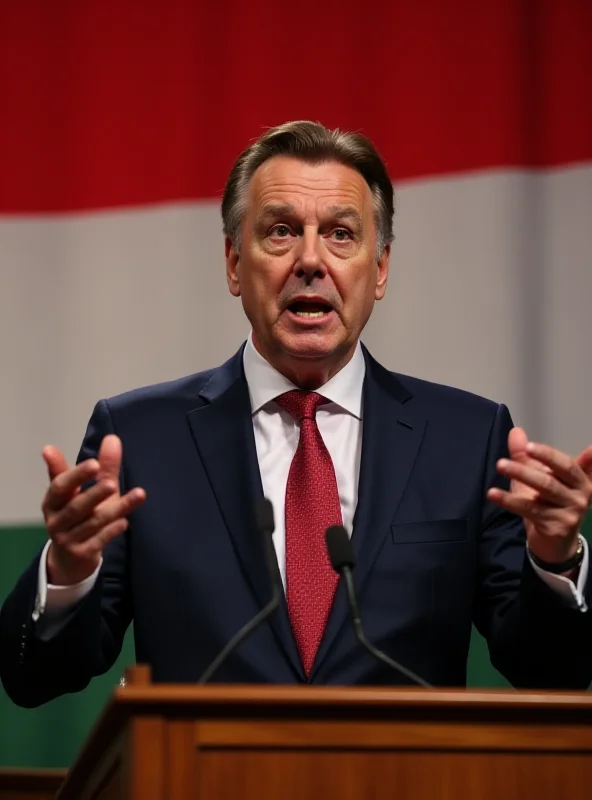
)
(313, 143)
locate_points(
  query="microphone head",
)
(264, 515)
(339, 548)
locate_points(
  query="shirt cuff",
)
(572, 593)
(56, 601)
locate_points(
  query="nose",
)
(309, 262)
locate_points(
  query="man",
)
(302, 414)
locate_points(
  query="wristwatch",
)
(562, 566)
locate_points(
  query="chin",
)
(310, 346)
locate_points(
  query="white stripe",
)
(490, 290)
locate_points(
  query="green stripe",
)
(51, 736)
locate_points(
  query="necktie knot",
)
(299, 404)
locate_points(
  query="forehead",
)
(289, 180)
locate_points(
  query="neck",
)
(307, 373)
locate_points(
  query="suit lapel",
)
(222, 429)
(391, 437)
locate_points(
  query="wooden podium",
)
(182, 742)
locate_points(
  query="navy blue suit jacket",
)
(433, 555)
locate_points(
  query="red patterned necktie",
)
(312, 505)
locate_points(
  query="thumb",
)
(55, 461)
(110, 458)
(584, 460)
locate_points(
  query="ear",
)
(232, 259)
(382, 273)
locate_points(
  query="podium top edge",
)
(249, 694)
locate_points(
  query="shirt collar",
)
(266, 383)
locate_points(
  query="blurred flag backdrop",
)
(120, 121)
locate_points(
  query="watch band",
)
(562, 566)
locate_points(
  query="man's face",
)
(307, 271)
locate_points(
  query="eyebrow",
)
(346, 212)
(286, 209)
(275, 210)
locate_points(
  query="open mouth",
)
(313, 309)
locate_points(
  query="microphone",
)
(342, 560)
(266, 526)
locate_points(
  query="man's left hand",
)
(550, 490)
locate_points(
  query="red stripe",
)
(111, 102)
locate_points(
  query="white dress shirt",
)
(277, 434)
(276, 440)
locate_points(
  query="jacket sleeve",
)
(34, 671)
(535, 639)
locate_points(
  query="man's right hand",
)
(80, 523)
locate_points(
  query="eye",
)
(341, 234)
(280, 231)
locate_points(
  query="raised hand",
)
(550, 490)
(80, 523)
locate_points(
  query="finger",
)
(55, 461)
(94, 545)
(530, 507)
(544, 482)
(517, 442)
(564, 466)
(517, 448)
(113, 530)
(110, 457)
(584, 461)
(108, 512)
(79, 508)
(66, 483)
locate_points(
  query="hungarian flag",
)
(119, 122)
